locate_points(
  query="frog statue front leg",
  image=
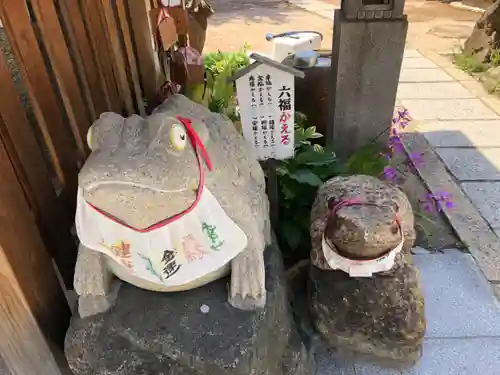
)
(248, 206)
(248, 289)
(94, 283)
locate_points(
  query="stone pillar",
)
(366, 62)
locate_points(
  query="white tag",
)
(360, 268)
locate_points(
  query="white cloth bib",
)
(192, 246)
(360, 268)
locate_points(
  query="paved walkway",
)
(463, 322)
(456, 125)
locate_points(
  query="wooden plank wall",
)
(76, 59)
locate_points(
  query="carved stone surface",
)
(484, 38)
(169, 334)
(135, 174)
(366, 62)
(382, 315)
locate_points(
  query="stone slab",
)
(471, 228)
(448, 109)
(327, 13)
(472, 356)
(168, 333)
(458, 299)
(327, 365)
(433, 90)
(486, 197)
(496, 290)
(359, 116)
(472, 163)
(475, 133)
(313, 5)
(409, 53)
(418, 63)
(424, 75)
(3, 366)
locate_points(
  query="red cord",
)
(198, 147)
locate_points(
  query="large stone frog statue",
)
(170, 203)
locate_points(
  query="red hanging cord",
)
(198, 147)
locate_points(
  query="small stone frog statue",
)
(364, 292)
(169, 203)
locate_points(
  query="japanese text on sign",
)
(266, 100)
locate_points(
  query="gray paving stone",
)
(448, 109)
(424, 75)
(412, 53)
(496, 290)
(486, 197)
(3, 367)
(479, 133)
(432, 90)
(465, 219)
(313, 5)
(420, 251)
(473, 356)
(328, 13)
(327, 365)
(459, 301)
(471, 163)
(418, 63)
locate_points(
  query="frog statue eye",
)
(178, 137)
(89, 138)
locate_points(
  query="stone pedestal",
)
(191, 333)
(380, 316)
(366, 63)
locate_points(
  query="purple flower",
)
(395, 120)
(395, 144)
(385, 155)
(403, 114)
(437, 202)
(390, 174)
(403, 124)
(416, 159)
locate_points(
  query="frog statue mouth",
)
(362, 238)
(144, 208)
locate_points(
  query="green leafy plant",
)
(298, 180)
(469, 63)
(217, 93)
(495, 57)
(300, 177)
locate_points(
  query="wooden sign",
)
(188, 64)
(180, 16)
(266, 100)
(165, 27)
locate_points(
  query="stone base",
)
(167, 333)
(381, 316)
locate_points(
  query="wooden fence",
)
(66, 62)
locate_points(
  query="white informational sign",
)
(266, 100)
(171, 3)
